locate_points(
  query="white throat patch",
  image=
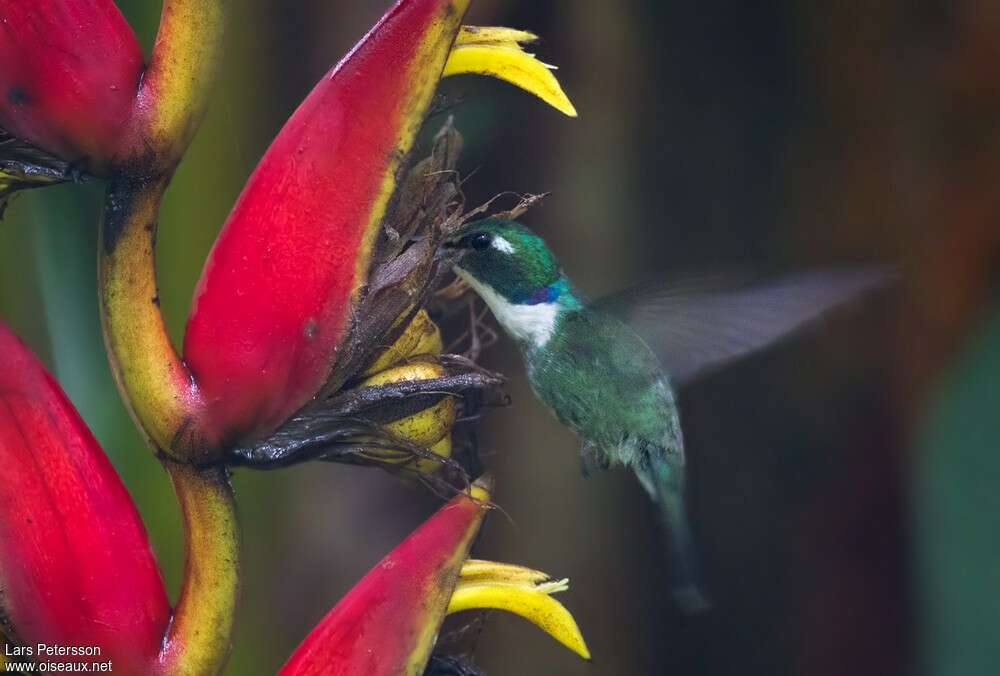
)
(531, 323)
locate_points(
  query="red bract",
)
(69, 72)
(386, 625)
(76, 568)
(278, 288)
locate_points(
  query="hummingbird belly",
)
(602, 381)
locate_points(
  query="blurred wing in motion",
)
(698, 326)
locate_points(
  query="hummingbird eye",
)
(477, 241)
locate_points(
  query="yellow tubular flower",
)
(442, 449)
(497, 52)
(430, 427)
(425, 427)
(522, 591)
(421, 336)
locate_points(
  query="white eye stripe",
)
(502, 245)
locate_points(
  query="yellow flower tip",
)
(497, 52)
(478, 570)
(554, 586)
(493, 35)
(481, 488)
(522, 591)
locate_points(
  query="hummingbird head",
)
(513, 270)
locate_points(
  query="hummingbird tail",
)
(664, 481)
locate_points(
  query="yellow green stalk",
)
(176, 85)
(199, 639)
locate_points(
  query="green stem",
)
(200, 635)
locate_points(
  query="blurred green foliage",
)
(956, 501)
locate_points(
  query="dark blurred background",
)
(845, 485)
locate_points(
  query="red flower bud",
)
(387, 624)
(76, 567)
(69, 73)
(278, 289)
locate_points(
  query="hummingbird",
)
(608, 369)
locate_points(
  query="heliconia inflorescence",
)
(386, 625)
(278, 289)
(69, 75)
(307, 331)
(76, 568)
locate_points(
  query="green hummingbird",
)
(613, 383)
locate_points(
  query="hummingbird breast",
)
(601, 380)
